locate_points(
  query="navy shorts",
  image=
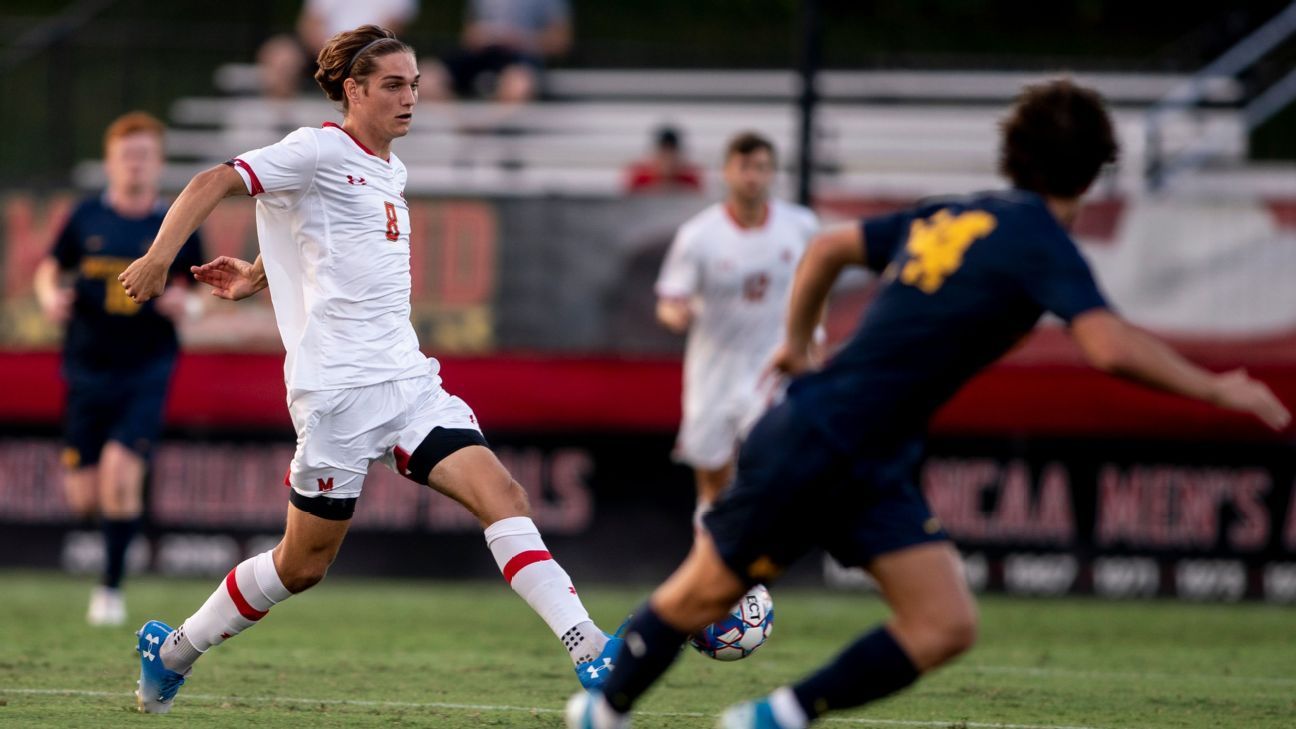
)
(794, 492)
(124, 406)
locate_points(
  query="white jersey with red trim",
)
(334, 233)
(738, 280)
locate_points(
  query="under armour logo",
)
(148, 654)
(593, 670)
(571, 589)
(355, 180)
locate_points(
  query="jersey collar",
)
(733, 219)
(359, 144)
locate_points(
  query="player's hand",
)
(790, 361)
(1235, 390)
(144, 279)
(675, 314)
(57, 307)
(230, 278)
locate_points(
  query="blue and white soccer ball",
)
(742, 631)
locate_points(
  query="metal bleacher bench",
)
(911, 132)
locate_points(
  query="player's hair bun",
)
(351, 54)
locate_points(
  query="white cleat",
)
(107, 608)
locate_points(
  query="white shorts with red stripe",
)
(341, 432)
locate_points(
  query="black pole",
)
(809, 98)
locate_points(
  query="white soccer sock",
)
(244, 597)
(532, 573)
(787, 710)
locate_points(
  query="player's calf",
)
(244, 597)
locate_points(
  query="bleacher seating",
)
(881, 132)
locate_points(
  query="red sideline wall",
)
(1042, 390)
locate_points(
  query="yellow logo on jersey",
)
(107, 268)
(936, 246)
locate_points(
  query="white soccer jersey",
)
(334, 233)
(739, 280)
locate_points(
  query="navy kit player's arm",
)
(54, 296)
(871, 244)
(1058, 278)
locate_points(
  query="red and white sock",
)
(244, 597)
(532, 572)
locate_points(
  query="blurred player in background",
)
(333, 228)
(118, 355)
(726, 281)
(835, 464)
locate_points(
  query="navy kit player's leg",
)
(112, 423)
(773, 515)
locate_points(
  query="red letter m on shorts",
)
(325, 485)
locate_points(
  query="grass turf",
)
(360, 653)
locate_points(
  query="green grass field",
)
(376, 653)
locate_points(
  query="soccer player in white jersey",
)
(726, 281)
(334, 229)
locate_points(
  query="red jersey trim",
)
(257, 189)
(765, 218)
(357, 141)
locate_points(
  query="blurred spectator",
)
(281, 67)
(323, 19)
(503, 49)
(117, 355)
(667, 170)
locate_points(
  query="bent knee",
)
(959, 634)
(933, 640)
(303, 574)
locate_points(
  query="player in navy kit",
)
(835, 464)
(117, 355)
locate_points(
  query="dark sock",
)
(650, 647)
(870, 668)
(117, 538)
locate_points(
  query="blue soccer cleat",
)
(593, 674)
(157, 684)
(587, 710)
(750, 715)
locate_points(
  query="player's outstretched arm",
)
(146, 277)
(1113, 346)
(828, 253)
(231, 278)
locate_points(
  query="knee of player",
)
(517, 497)
(303, 575)
(937, 637)
(697, 606)
(955, 631)
(960, 633)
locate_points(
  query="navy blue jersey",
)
(963, 280)
(107, 329)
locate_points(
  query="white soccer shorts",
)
(341, 432)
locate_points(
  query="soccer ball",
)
(742, 631)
